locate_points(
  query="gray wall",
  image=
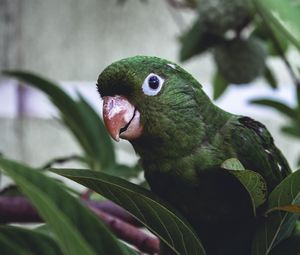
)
(74, 40)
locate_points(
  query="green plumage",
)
(185, 140)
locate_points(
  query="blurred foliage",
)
(86, 126)
(242, 35)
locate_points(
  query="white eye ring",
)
(152, 84)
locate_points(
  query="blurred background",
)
(71, 42)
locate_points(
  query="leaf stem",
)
(283, 57)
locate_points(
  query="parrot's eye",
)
(152, 84)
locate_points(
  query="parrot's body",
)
(183, 138)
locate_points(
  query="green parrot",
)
(182, 139)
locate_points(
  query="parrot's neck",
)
(191, 131)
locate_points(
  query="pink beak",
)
(121, 118)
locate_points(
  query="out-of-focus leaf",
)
(292, 130)
(263, 32)
(144, 205)
(297, 228)
(279, 224)
(78, 231)
(98, 136)
(28, 241)
(298, 99)
(195, 41)
(283, 16)
(290, 246)
(125, 171)
(253, 182)
(277, 105)
(219, 85)
(270, 78)
(81, 119)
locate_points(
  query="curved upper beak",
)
(121, 118)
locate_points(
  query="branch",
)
(129, 233)
(114, 210)
(63, 160)
(19, 210)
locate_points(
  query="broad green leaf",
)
(29, 241)
(144, 205)
(270, 78)
(278, 225)
(284, 16)
(81, 119)
(8, 247)
(277, 105)
(253, 182)
(290, 246)
(195, 41)
(78, 231)
(220, 85)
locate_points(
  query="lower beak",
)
(121, 118)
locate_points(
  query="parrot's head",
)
(151, 102)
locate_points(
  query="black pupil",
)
(153, 82)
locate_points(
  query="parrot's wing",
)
(255, 148)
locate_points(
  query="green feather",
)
(185, 140)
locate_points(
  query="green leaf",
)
(232, 164)
(144, 205)
(220, 85)
(284, 16)
(292, 130)
(253, 182)
(290, 246)
(277, 105)
(8, 247)
(195, 41)
(270, 78)
(125, 171)
(100, 142)
(278, 225)
(264, 32)
(28, 241)
(85, 124)
(78, 230)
